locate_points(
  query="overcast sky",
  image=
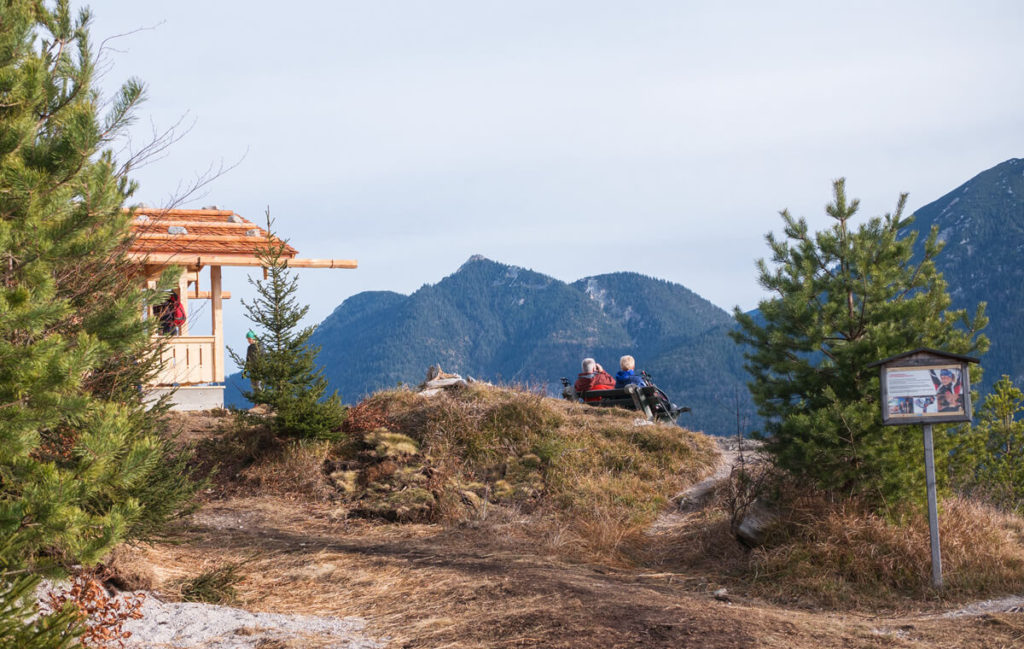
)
(573, 138)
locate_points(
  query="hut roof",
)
(160, 232)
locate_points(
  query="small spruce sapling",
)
(987, 460)
(284, 371)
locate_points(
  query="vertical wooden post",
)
(183, 296)
(151, 285)
(217, 303)
(933, 510)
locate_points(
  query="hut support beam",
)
(217, 325)
(183, 296)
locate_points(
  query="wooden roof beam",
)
(163, 224)
(176, 212)
(322, 263)
(193, 261)
(208, 295)
(206, 238)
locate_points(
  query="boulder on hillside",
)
(757, 523)
(438, 379)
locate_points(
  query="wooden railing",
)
(187, 360)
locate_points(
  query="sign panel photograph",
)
(924, 391)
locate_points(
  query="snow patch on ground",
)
(596, 293)
(209, 626)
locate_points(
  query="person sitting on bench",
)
(627, 374)
(593, 377)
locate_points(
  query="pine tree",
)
(987, 460)
(82, 464)
(841, 299)
(287, 379)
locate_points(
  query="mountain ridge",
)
(981, 223)
(510, 324)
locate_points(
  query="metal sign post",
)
(933, 508)
(926, 386)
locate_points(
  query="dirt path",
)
(424, 586)
(697, 496)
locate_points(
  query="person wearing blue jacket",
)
(627, 374)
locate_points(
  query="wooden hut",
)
(201, 242)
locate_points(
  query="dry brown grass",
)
(842, 555)
(294, 469)
(126, 569)
(491, 586)
(598, 476)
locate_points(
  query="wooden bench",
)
(647, 399)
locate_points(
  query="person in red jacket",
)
(171, 313)
(593, 377)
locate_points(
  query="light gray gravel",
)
(208, 626)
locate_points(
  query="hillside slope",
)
(982, 225)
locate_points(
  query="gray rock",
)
(760, 518)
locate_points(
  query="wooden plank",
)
(206, 295)
(164, 223)
(194, 261)
(257, 240)
(183, 296)
(149, 211)
(150, 285)
(186, 361)
(322, 263)
(217, 326)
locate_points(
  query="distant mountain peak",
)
(498, 274)
(477, 260)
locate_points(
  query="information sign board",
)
(925, 386)
(921, 393)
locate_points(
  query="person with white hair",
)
(593, 377)
(627, 374)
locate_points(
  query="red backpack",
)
(178, 315)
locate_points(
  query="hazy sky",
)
(573, 138)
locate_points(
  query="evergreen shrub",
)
(840, 299)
